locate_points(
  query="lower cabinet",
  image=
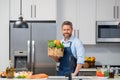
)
(87, 73)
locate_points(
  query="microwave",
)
(108, 31)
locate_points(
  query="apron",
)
(67, 63)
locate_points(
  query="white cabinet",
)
(108, 10)
(14, 9)
(66, 11)
(27, 9)
(33, 9)
(45, 9)
(86, 21)
(82, 14)
(118, 9)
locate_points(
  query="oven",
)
(108, 31)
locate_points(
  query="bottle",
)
(116, 75)
(10, 70)
(111, 73)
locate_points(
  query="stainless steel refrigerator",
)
(28, 47)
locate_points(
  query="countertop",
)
(88, 69)
(66, 78)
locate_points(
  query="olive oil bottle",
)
(10, 70)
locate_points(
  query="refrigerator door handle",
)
(28, 57)
(33, 54)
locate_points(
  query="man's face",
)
(67, 31)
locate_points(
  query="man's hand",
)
(73, 74)
(54, 57)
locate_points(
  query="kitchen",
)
(82, 13)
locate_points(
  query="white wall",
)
(4, 34)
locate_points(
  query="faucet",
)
(70, 77)
(71, 59)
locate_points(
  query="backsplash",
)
(105, 53)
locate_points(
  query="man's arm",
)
(78, 67)
(80, 52)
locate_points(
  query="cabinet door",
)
(118, 9)
(14, 9)
(27, 9)
(106, 10)
(45, 9)
(86, 20)
(66, 11)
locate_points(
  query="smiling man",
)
(73, 52)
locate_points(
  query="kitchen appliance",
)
(108, 31)
(28, 47)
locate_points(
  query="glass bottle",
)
(116, 75)
(111, 73)
(10, 70)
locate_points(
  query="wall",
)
(4, 34)
(105, 53)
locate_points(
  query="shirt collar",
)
(70, 40)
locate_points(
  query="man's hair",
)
(67, 23)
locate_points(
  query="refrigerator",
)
(28, 47)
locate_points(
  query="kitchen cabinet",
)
(86, 21)
(14, 9)
(108, 10)
(82, 14)
(33, 9)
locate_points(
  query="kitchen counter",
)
(88, 69)
(66, 78)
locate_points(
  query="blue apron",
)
(67, 62)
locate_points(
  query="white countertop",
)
(88, 69)
(65, 78)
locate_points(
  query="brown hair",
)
(67, 23)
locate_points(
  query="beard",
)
(67, 35)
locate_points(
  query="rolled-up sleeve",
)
(80, 52)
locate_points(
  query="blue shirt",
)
(76, 48)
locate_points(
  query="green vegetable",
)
(51, 44)
(21, 76)
(60, 46)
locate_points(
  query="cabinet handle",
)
(28, 46)
(31, 11)
(78, 34)
(117, 12)
(35, 12)
(74, 32)
(114, 12)
(33, 55)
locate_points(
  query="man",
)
(73, 52)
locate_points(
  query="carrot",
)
(42, 75)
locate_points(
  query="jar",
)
(10, 71)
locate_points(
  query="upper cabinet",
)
(86, 21)
(33, 9)
(108, 10)
(82, 14)
(14, 9)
